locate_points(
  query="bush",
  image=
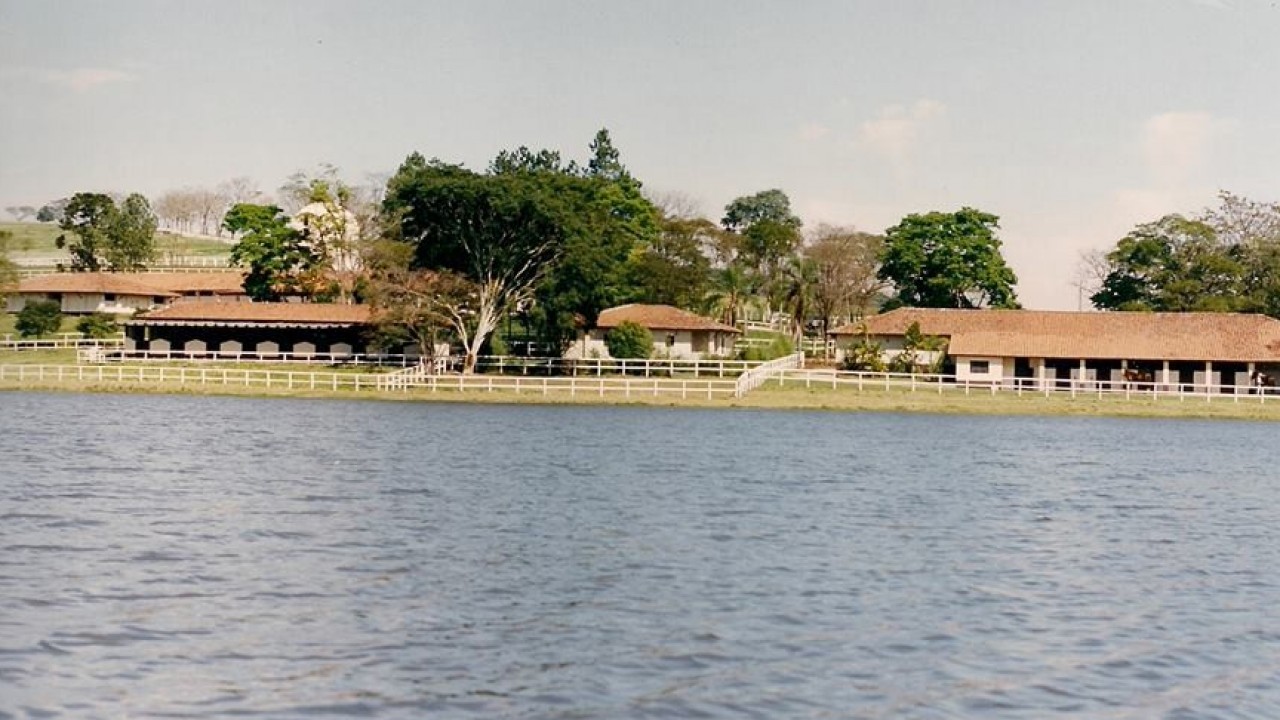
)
(629, 341)
(780, 346)
(38, 318)
(864, 355)
(98, 325)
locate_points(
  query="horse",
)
(1261, 381)
(1138, 376)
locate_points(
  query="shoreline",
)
(768, 397)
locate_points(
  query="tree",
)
(87, 216)
(52, 212)
(629, 340)
(948, 260)
(39, 318)
(673, 269)
(798, 280)
(495, 231)
(106, 237)
(1227, 261)
(412, 304)
(846, 264)
(98, 325)
(278, 260)
(8, 270)
(765, 232)
(131, 236)
(21, 212)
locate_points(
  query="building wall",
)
(87, 303)
(674, 344)
(969, 369)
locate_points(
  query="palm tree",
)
(728, 288)
(799, 278)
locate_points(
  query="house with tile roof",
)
(677, 334)
(1039, 348)
(124, 293)
(285, 330)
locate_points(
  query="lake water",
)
(206, 557)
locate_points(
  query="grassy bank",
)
(39, 239)
(770, 397)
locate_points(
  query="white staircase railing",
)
(757, 376)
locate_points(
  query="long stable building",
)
(266, 329)
(1038, 348)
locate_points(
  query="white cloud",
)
(898, 129)
(1177, 144)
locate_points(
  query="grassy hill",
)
(37, 239)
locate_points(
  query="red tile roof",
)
(218, 283)
(97, 283)
(258, 313)
(1224, 337)
(659, 317)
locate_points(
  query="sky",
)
(1071, 120)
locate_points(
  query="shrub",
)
(98, 325)
(864, 355)
(629, 341)
(40, 317)
(779, 346)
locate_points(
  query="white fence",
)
(627, 387)
(907, 382)
(61, 341)
(757, 376)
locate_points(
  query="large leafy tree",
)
(101, 236)
(765, 234)
(131, 238)
(1226, 260)
(609, 226)
(277, 257)
(673, 269)
(497, 232)
(948, 260)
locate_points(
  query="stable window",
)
(979, 367)
(671, 339)
(109, 297)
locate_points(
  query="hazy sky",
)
(1071, 120)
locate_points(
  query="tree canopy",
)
(1226, 260)
(278, 261)
(101, 236)
(948, 260)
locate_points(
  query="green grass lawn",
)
(9, 320)
(37, 239)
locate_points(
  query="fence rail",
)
(627, 387)
(61, 341)
(920, 382)
(757, 376)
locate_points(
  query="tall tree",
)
(766, 233)
(495, 231)
(948, 260)
(8, 270)
(673, 268)
(1179, 264)
(131, 236)
(87, 218)
(846, 265)
(278, 260)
